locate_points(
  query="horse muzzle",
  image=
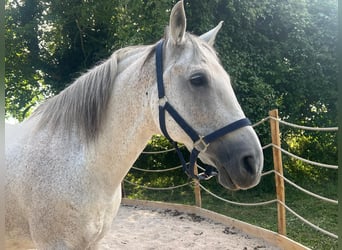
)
(238, 159)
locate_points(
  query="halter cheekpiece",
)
(200, 143)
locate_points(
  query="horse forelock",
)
(201, 49)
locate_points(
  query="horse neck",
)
(129, 123)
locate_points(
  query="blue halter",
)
(200, 143)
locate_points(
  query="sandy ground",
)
(138, 228)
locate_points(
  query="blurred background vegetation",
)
(279, 53)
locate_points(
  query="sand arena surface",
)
(139, 228)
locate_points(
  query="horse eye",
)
(198, 79)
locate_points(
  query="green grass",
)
(316, 211)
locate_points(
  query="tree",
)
(278, 53)
(24, 78)
(50, 43)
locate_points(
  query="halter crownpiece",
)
(200, 143)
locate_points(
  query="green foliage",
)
(23, 78)
(318, 147)
(49, 43)
(280, 54)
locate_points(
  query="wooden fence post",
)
(278, 167)
(197, 189)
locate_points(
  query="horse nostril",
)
(249, 164)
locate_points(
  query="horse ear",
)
(177, 23)
(210, 36)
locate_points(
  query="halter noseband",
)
(200, 143)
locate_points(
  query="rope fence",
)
(157, 170)
(306, 191)
(331, 129)
(158, 152)
(157, 188)
(277, 171)
(238, 203)
(305, 160)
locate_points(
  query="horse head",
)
(199, 91)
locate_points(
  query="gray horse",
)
(66, 162)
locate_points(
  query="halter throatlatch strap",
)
(200, 143)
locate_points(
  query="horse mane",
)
(81, 107)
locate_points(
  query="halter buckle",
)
(200, 145)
